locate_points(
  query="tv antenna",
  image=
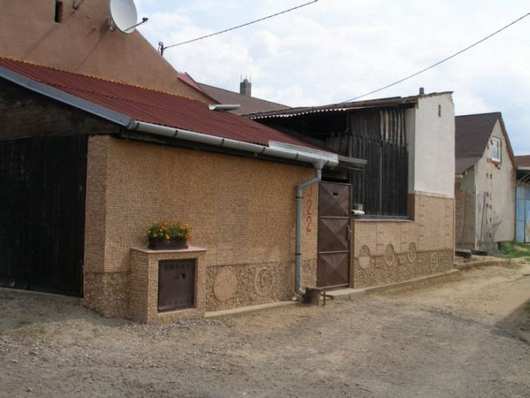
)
(124, 16)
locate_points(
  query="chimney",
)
(245, 88)
(422, 91)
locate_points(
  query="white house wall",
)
(495, 185)
(431, 137)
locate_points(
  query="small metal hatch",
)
(176, 285)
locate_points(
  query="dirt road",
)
(465, 338)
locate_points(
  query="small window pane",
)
(496, 149)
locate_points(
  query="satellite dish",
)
(124, 15)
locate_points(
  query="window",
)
(495, 148)
(58, 18)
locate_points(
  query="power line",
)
(441, 61)
(163, 48)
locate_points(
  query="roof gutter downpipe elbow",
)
(319, 165)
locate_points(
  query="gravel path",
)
(466, 338)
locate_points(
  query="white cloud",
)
(338, 49)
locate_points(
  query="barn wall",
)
(388, 251)
(82, 43)
(242, 210)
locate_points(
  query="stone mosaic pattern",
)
(390, 251)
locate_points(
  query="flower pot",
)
(163, 244)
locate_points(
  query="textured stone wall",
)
(143, 285)
(393, 251)
(242, 211)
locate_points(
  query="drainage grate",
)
(176, 284)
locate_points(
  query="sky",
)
(337, 49)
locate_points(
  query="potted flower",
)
(168, 236)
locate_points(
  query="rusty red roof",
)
(151, 106)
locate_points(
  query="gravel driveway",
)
(465, 338)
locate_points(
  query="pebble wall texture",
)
(241, 210)
(394, 251)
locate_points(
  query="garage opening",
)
(42, 213)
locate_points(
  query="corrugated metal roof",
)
(341, 107)
(151, 106)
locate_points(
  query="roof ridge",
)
(236, 93)
(481, 114)
(94, 77)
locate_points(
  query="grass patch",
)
(515, 250)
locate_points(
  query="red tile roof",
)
(151, 106)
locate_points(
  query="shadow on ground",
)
(517, 324)
(34, 315)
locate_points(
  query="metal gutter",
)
(329, 159)
(65, 98)
(299, 207)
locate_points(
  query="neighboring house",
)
(406, 189)
(485, 182)
(249, 104)
(86, 165)
(80, 41)
(522, 231)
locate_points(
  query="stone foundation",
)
(372, 271)
(106, 293)
(391, 251)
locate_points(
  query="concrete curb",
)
(348, 294)
(500, 262)
(249, 309)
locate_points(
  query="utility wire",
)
(441, 61)
(164, 48)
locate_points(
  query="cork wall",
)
(386, 251)
(241, 210)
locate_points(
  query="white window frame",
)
(496, 149)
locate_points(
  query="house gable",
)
(83, 43)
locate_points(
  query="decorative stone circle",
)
(225, 285)
(364, 257)
(413, 253)
(263, 281)
(435, 260)
(390, 255)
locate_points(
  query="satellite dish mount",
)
(124, 16)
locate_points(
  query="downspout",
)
(299, 209)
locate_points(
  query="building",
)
(88, 164)
(57, 34)
(522, 230)
(485, 182)
(406, 190)
(248, 103)
(100, 137)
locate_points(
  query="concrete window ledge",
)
(143, 284)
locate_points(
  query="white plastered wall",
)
(431, 140)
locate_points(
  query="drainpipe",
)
(299, 207)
